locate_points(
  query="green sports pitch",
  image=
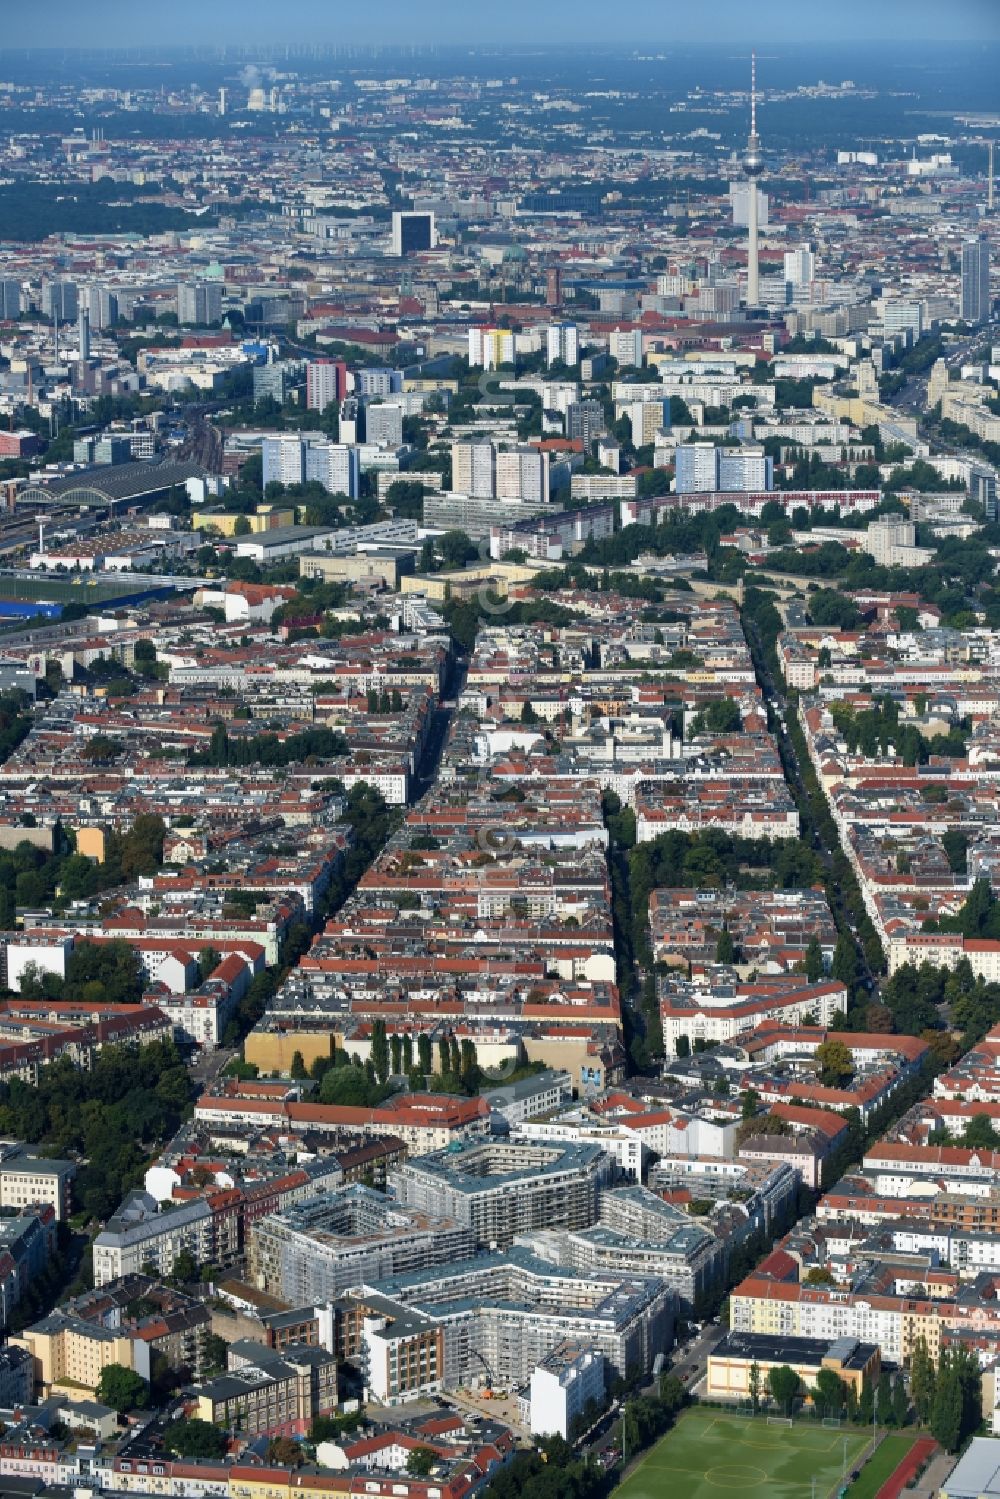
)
(709, 1453)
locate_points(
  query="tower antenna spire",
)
(753, 93)
(753, 165)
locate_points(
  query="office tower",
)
(902, 317)
(412, 233)
(199, 302)
(976, 280)
(490, 347)
(60, 300)
(746, 469)
(352, 420)
(800, 266)
(523, 474)
(696, 467)
(84, 331)
(473, 469)
(384, 425)
(326, 381)
(113, 449)
(562, 342)
(276, 379)
(283, 460)
(553, 288)
(336, 466)
(256, 99)
(625, 345)
(10, 299)
(753, 165)
(223, 100)
(100, 303)
(983, 490)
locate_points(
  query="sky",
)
(653, 23)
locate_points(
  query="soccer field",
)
(708, 1452)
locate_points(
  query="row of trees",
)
(268, 749)
(872, 731)
(947, 1395)
(344, 1079)
(831, 1395)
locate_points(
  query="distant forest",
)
(33, 211)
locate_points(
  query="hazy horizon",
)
(120, 23)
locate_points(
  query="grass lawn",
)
(884, 1463)
(709, 1452)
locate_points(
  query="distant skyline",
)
(650, 23)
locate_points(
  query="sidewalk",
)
(932, 1477)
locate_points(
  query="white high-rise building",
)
(384, 425)
(739, 198)
(625, 345)
(199, 302)
(473, 468)
(746, 469)
(283, 460)
(696, 468)
(562, 342)
(101, 303)
(336, 466)
(700, 467)
(326, 381)
(902, 317)
(491, 347)
(523, 474)
(800, 266)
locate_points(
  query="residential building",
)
(562, 343)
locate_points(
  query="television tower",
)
(753, 165)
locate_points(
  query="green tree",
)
(923, 1380)
(673, 1395)
(420, 1461)
(298, 1070)
(185, 1267)
(380, 1050)
(755, 1386)
(725, 949)
(845, 961)
(835, 1063)
(424, 1056)
(208, 961)
(749, 1103)
(195, 1438)
(814, 960)
(980, 1134)
(946, 1412)
(784, 1385)
(900, 1403)
(122, 1389)
(829, 1393)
